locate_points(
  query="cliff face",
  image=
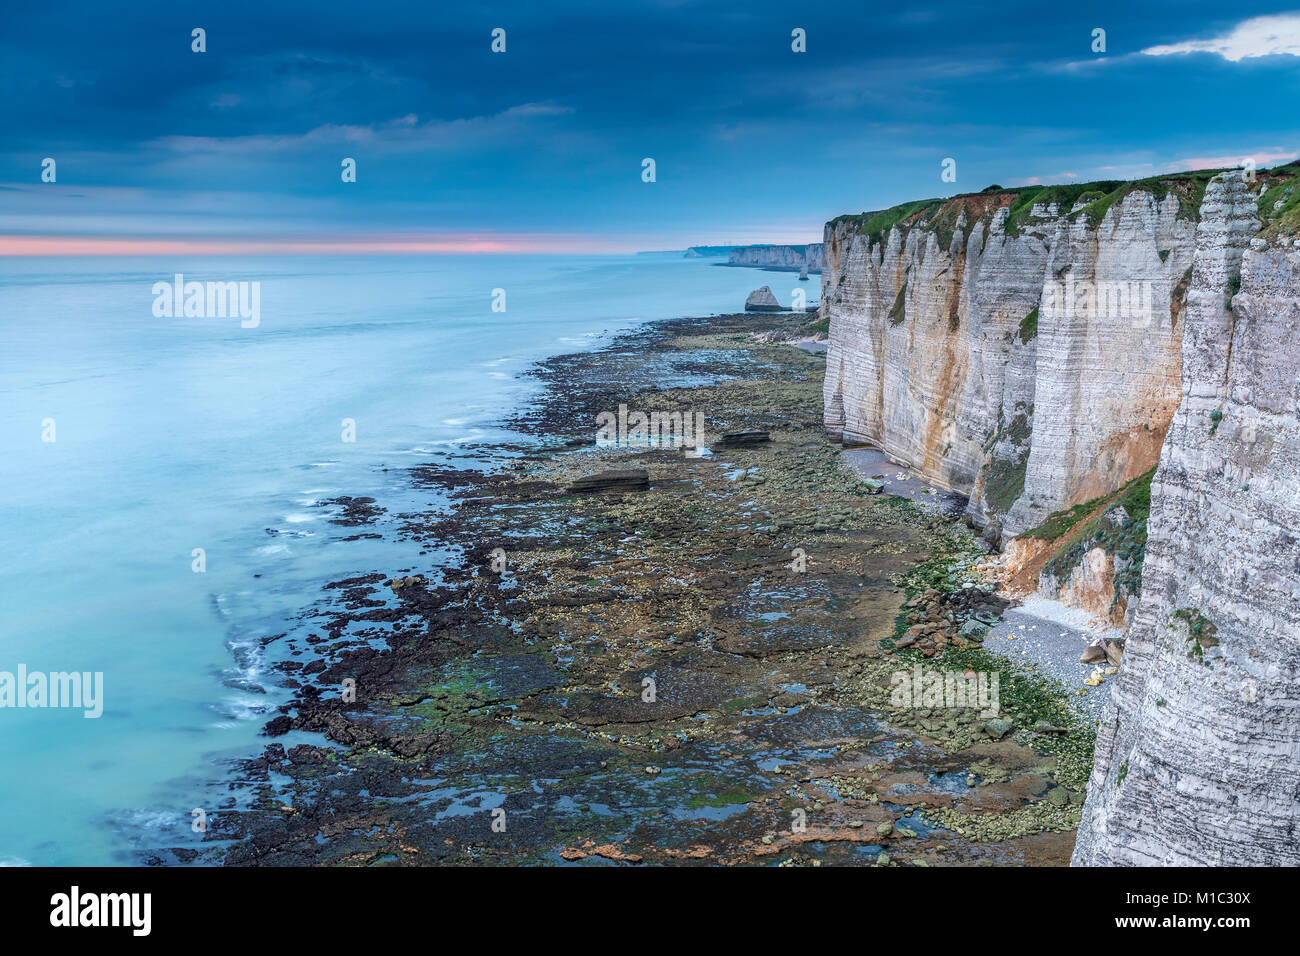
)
(1144, 458)
(779, 257)
(1032, 364)
(1198, 755)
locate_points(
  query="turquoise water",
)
(172, 434)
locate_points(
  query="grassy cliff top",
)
(1279, 206)
(1097, 198)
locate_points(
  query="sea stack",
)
(762, 300)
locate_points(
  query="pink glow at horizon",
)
(437, 244)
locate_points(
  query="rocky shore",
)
(699, 666)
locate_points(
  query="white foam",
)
(462, 439)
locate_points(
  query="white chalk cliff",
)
(1198, 755)
(935, 356)
(790, 258)
(1042, 349)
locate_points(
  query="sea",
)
(166, 479)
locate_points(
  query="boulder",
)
(1047, 727)
(1114, 651)
(278, 726)
(742, 439)
(998, 727)
(624, 479)
(762, 300)
(1093, 653)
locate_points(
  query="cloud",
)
(1054, 177)
(1258, 36)
(1263, 157)
(404, 132)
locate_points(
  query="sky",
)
(540, 148)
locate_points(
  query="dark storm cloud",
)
(550, 135)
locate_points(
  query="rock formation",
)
(1044, 350)
(1030, 364)
(1198, 754)
(790, 258)
(762, 300)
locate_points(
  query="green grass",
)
(1188, 187)
(897, 313)
(1135, 497)
(1059, 522)
(1029, 326)
(944, 225)
(1004, 481)
(1097, 199)
(1234, 286)
(1283, 187)
(1064, 196)
(940, 216)
(1100, 196)
(876, 225)
(1200, 631)
(1127, 541)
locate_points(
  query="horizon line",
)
(19, 245)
